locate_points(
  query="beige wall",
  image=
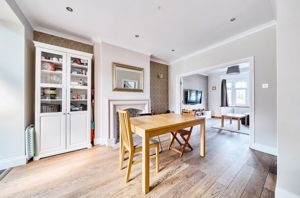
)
(105, 55)
(159, 90)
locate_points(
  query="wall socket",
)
(265, 85)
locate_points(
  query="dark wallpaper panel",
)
(61, 42)
(159, 89)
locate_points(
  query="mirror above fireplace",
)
(127, 78)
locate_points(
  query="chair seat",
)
(138, 142)
(183, 132)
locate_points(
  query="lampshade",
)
(233, 70)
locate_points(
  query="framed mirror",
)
(127, 78)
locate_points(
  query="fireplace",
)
(133, 113)
(133, 106)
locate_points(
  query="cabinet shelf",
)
(51, 61)
(78, 87)
(46, 85)
(79, 75)
(51, 100)
(78, 100)
(51, 72)
(79, 66)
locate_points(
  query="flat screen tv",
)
(192, 96)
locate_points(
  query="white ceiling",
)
(184, 25)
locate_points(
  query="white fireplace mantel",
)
(115, 105)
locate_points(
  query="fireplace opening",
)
(133, 113)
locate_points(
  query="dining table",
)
(154, 125)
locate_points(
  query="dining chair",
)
(132, 144)
(185, 134)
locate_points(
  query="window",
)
(237, 92)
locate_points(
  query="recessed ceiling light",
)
(173, 50)
(136, 36)
(69, 9)
(232, 19)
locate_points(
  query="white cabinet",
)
(52, 135)
(62, 100)
(207, 114)
(77, 125)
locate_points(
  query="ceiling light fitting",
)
(136, 36)
(233, 70)
(232, 19)
(69, 9)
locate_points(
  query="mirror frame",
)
(114, 83)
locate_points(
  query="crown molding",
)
(228, 40)
(118, 44)
(159, 61)
(63, 35)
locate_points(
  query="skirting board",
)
(100, 141)
(265, 149)
(103, 141)
(3, 174)
(12, 162)
(281, 193)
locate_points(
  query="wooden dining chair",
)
(132, 144)
(185, 134)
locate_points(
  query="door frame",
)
(250, 60)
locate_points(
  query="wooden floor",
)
(230, 169)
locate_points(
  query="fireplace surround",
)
(133, 106)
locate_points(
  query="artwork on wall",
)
(130, 84)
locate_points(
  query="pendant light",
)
(233, 70)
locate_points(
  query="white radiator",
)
(29, 142)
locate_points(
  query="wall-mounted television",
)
(192, 96)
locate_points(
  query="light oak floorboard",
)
(230, 169)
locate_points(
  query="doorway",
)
(240, 92)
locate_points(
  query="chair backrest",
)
(125, 130)
(188, 112)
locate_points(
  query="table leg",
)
(239, 124)
(202, 139)
(222, 121)
(145, 165)
(230, 120)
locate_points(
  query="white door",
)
(78, 102)
(77, 130)
(50, 102)
(52, 134)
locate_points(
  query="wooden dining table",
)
(155, 125)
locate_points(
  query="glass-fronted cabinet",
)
(51, 68)
(79, 81)
(63, 101)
